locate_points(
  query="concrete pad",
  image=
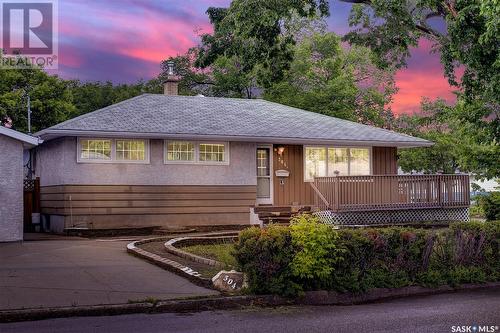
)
(83, 272)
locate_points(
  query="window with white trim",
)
(180, 151)
(212, 152)
(315, 162)
(332, 161)
(94, 150)
(130, 150)
(196, 152)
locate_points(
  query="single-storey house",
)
(12, 146)
(169, 160)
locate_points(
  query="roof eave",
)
(50, 134)
(27, 140)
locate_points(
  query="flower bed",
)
(311, 256)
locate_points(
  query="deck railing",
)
(384, 192)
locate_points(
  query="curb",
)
(231, 303)
(170, 265)
(323, 297)
(189, 305)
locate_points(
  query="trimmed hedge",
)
(309, 255)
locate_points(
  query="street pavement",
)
(437, 313)
(82, 272)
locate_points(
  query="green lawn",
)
(219, 252)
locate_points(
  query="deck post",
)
(337, 193)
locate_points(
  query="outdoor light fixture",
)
(281, 150)
(170, 66)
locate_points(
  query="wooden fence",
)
(385, 192)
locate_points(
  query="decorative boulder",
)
(229, 281)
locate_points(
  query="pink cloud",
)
(422, 78)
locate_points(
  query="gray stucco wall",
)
(57, 165)
(11, 189)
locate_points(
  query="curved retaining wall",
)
(172, 247)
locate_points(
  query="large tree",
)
(466, 33)
(223, 78)
(258, 35)
(50, 98)
(91, 96)
(327, 78)
(457, 146)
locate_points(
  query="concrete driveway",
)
(82, 272)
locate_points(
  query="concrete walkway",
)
(82, 272)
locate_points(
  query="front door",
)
(264, 175)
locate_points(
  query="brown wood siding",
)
(118, 206)
(384, 160)
(294, 190)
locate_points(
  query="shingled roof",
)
(230, 119)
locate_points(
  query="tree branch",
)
(429, 31)
(451, 7)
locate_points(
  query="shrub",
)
(476, 210)
(312, 256)
(265, 256)
(489, 203)
(317, 251)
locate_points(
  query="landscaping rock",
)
(229, 281)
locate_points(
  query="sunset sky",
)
(125, 40)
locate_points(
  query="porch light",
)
(281, 150)
(170, 66)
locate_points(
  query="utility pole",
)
(29, 113)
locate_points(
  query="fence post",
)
(36, 195)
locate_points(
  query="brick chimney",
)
(171, 84)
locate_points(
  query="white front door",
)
(264, 175)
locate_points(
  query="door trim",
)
(270, 200)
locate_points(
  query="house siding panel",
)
(108, 207)
(117, 195)
(385, 160)
(293, 190)
(11, 189)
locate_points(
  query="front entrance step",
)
(279, 214)
(284, 209)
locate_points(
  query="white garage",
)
(12, 146)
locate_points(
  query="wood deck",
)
(386, 192)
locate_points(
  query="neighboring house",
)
(167, 160)
(486, 185)
(12, 145)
